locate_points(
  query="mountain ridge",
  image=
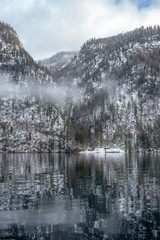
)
(119, 77)
(110, 93)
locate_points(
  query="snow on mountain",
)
(58, 61)
(32, 116)
(105, 95)
(120, 90)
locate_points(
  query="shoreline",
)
(96, 150)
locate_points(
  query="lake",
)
(84, 196)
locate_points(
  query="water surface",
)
(63, 196)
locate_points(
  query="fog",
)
(56, 94)
(109, 86)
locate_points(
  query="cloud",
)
(48, 26)
(56, 94)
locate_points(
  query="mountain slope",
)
(107, 94)
(119, 80)
(30, 119)
(16, 61)
(58, 61)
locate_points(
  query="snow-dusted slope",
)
(58, 61)
(119, 80)
(15, 61)
(31, 115)
(114, 82)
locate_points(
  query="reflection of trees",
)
(105, 192)
(128, 189)
(27, 180)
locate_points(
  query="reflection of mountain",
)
(82, 195)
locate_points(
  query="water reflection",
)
(61, 196)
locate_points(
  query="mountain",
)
(14, 59)
(105, 95)
(58, 61)
(119, 82)
(31, 119)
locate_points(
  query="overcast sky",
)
(49, 26)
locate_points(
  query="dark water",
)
(62, 196)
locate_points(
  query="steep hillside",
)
(30, 119)
(15, 61)
(119, 80)
(57, 62)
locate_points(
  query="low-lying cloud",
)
(56, 94)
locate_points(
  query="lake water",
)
(94, 196)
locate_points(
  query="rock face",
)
(112, 96)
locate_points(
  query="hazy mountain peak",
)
(58, 60)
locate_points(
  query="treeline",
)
(111, 49)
